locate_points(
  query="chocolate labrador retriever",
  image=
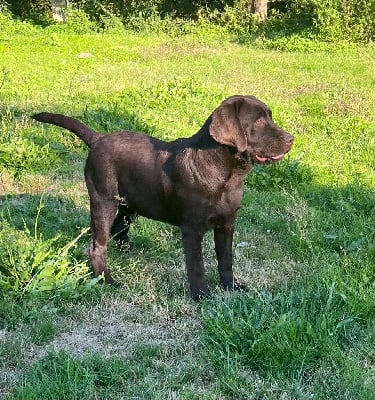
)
(195, 183)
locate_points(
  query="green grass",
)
(304, 240)
(64, 376)
(294, 334)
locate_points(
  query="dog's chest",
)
(212, 208)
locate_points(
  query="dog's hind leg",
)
(103, 213)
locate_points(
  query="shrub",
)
(77, 21)
(9, 25)
(130, 9)
(235, 18)
(354, 19)
(39, 11)
(328, 19)
(37, 267)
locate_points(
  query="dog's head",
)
(246, 123)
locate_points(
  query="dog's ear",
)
(225, 126)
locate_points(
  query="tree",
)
(259, 8)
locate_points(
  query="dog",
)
(194, 183)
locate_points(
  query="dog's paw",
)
(240, 287)
(200, 294)
(116, 284)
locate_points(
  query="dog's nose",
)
(288, 138)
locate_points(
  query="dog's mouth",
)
(267, 160)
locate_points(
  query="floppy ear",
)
(225, 126)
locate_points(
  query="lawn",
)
(304, 241)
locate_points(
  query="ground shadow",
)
(33, 147)
(337, 218)
(45, 215)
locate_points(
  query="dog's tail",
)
(88, 135)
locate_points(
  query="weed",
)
(36, 267)
(42, 331)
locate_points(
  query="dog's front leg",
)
(192, 243)
(223, 247)
(224, 253)
(98, 256)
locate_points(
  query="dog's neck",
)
(235, 160)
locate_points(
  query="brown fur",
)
(195, 183)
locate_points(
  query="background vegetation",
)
(329, 20)
(304, 239)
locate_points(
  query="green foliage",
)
(285, 174)
(110, 23)
(76, 21)
(155, 23)
(10, 26)
(37, 267)
(330, 20)
(289, 17)
(39, 11)
(19, 155)
(18, 151)
(234, 18)
(95, 10)
(327, 20)
(176, 8)
(340, 20)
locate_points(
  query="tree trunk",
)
(57, 9)
(259, 8)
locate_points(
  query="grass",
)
(304, 240)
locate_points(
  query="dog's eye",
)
(259, 122)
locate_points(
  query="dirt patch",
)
(111, 328)
(112, 338)
(116, 327)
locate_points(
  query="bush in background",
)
(38, 11)
(354, 19)
(327, 20)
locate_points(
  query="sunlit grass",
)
(304, 240)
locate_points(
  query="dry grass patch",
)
(110, 328)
